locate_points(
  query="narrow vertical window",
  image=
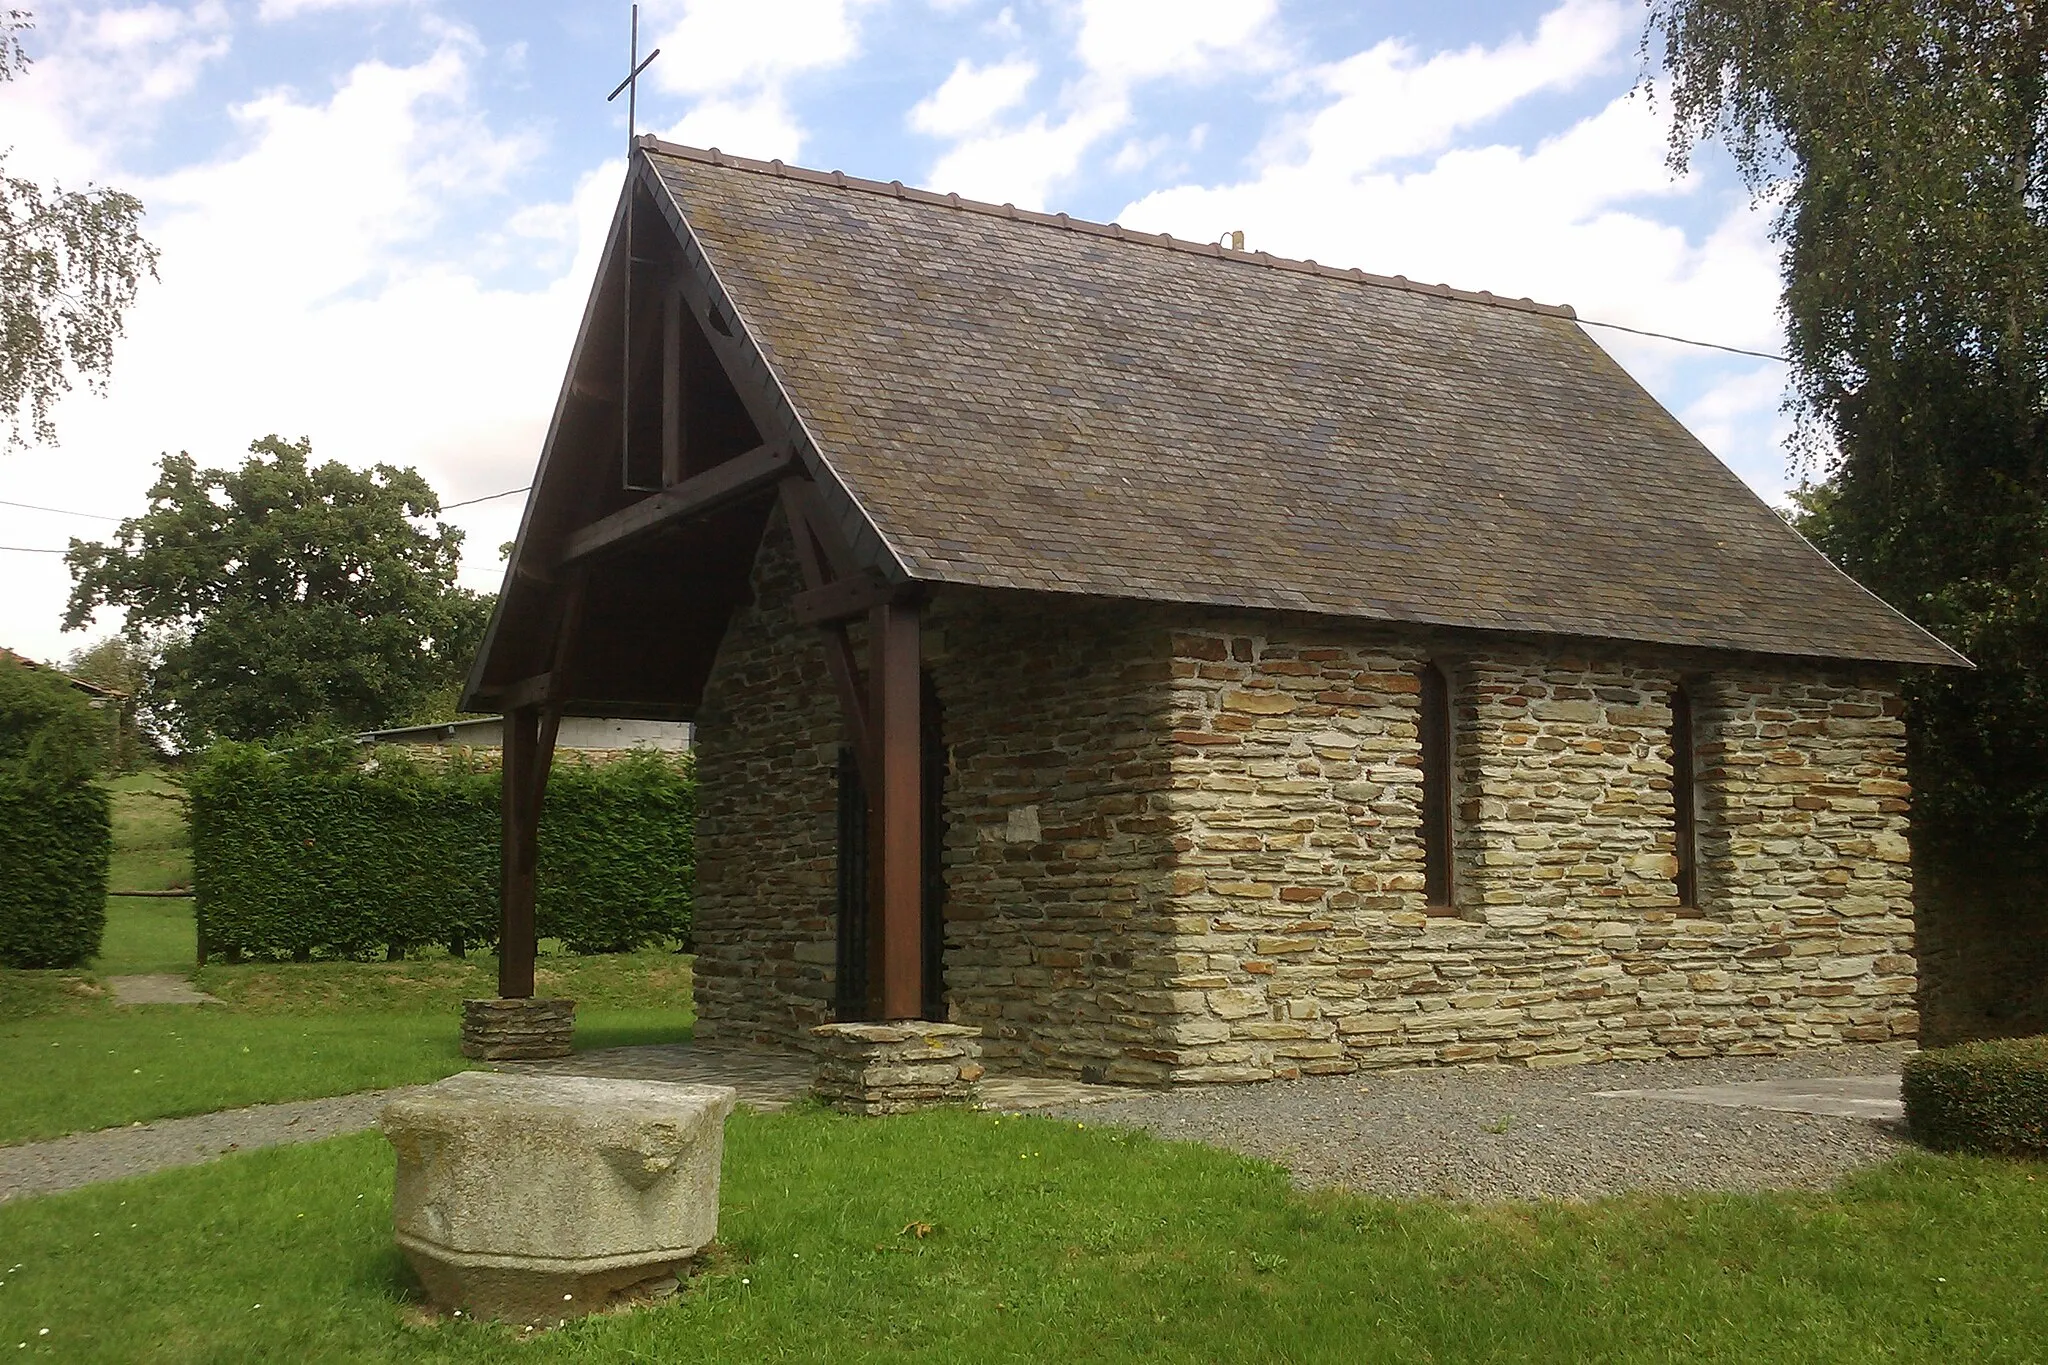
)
(1683, 800)
(1437, 884)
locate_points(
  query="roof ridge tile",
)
(896, 189)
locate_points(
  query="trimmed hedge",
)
(1981, 1097)
(54, 845)
(313, 852)
(56, 830)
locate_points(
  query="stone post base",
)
(537, 1198)
(511, 1030)
(895, 1068)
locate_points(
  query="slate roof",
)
(1023, 401)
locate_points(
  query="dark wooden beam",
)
(839, 660)
(838, 558)
(743, 475)
(519, 846)
(897, 806)
(514, 696)
(845, 598)
(527, 757)
(674, 431)
(568, 629)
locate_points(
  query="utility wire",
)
(1684, 341)
(488, 497)
(60, 511)
(527, 488)
(101, 516)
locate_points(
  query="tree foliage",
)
(55, 836)
(288, 595)
(71, 262)
(1903, 144)
(49, 734)
(122, 665)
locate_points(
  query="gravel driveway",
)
(1521, 1134)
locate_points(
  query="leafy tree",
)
(71, 262)
(49, 734)
(290, 595)
(122, 665)
(1902, 142)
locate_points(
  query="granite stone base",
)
(895, 1068)
(508, 1030)
(539, 1198)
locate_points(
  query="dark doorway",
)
(856, 975)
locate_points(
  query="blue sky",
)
(379, 217)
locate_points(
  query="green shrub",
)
(310, 851)
(56, 833)
(1981, 1097)
(54, 847)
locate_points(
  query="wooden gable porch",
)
(671, 447)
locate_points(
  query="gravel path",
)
(1521, 1134)
(86, 1158)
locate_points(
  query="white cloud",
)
(304, 292)
(273, 11)
(1374, 178)
(1389, 105)
(1120, 44)
(972, 97)
(739, 56)
(1021, 165)
(761, 126)
(1741, 416)
(724, 45)
(1135, 40)
(100, 80)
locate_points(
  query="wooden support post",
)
(528, 757)
(896, 806)
(520, 815)
(674, 453)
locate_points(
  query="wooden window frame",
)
(1685, 798)
(1436, 730)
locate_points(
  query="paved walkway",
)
(765, 1079)
(157, 988)
(66, 1163)
(1798, 1121)
(1843, 1097)
(1575, 1133)
(770, 1079)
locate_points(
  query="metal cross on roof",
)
(631, 86)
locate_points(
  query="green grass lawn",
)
(152, 852)
(1049, 1241)
(283, 1031)
(288, 1031)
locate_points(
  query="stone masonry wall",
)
(768, 737)
(1056, 848)
(1059, 941)
(1296, 784)
(1185, 846)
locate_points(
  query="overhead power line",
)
(60, 511)
(32, 550)
(488, 497)
(102, 516)
(1685, 341)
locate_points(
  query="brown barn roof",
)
(1019, 400)
(1018, 406)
